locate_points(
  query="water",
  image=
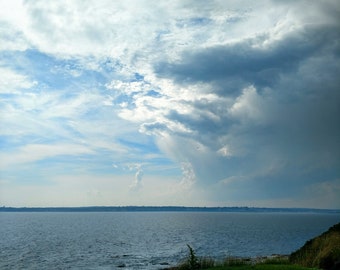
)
(148, 240)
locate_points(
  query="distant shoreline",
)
(167, 209)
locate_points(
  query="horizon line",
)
(131, 208)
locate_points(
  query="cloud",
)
(276, 106)
(238, 100)
(189, 177)
(11, 24)
(324, 193)
(137, 183)
(248, 107)
(246, 62)
(11, 82)
(34, 152)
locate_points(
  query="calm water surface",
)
(148, 240)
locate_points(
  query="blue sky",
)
(231, 103)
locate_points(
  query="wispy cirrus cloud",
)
(35, 152)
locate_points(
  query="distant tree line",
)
(162, 209)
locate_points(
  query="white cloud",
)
(137, 183)
(248, 106)
(128, 88)
(135, 32)
(12, 20)
(224, 151)
(12, 82)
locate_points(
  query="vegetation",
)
(194, 263)
(321, 252)
(232, 263)
(192, 260)
(261, 267)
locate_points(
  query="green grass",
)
(242, 264)
(268, 264)
(322, 252)
(234, 263)
(259, 267)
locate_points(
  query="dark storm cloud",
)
(284, 133)
(250, 61)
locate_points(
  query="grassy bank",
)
(279, 263)
(322, 252)
(261, 267)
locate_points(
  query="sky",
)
(182, 102)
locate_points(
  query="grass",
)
(233, 263)
(241, 264)
(248, 266)
(320, 252)
(260, 267)
(280, 263)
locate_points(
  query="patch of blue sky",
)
(53, 72)
(93, 113)
(138, 77)
(10, 142)
(6, 98)
(55, 130)
(26, 176)
(64, 164)
(100, 162)
(146, 147)
(128, 100)
(200, 21)
(39, 171)
(192, 22)
(35, 65)
(153, 93)
(14, 60)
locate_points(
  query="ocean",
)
(148, 240)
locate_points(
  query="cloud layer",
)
(224, 104)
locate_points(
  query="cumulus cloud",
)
(275, 108)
